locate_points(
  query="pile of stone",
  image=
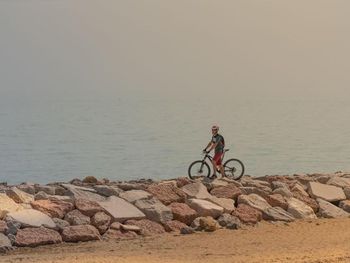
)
(32, 215)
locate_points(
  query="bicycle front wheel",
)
(234, 169)
(198, 169)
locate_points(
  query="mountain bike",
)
(234, 168)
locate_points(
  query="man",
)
(218, 143)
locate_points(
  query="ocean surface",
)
(123, 138)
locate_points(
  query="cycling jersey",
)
(219, 139)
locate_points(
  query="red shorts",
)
(218, 158)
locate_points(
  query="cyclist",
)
(218, 143)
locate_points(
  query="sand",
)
(326, 240)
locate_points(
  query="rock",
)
(300, 210)
(196, 190)
(167, 193)
(328, 210)
(155, 210)
(183, 213)
(195, 225)
(229, 192)
(174, 226)
(107, 190)
(132, 186)
(27, 188)
(208, 224)
(120, 210)
(307, 200)
(229, 221)
(277, 200)
(3, 227)
(278, 184)
(59, 190)
(298, 189)
(8, 205)
(254, 190)
(60, 223)
(50, 190)
(131, 228)
(90, 180)
(182, 181)
(255, 201)
(187, 230)
(134, 195)
(88, 207)
(284, 191)
(101, 221)
(247, 214)
(5, 243)
(113, 234)
(345, 205)
(205, 208)
(277, 214)
(80, 233)
(339, 182)
(45, 196)
(19, 196)
(75, 217)
(329, 193)
(148, 227)
(227, 204)
(116, 226)
(52, 208)
(12, 227)
(347, 192)
(78, 192)
(31, 218)
(211, 183)
(33, 237)
(258, 184)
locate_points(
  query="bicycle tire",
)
(191, 174)
(231, 170)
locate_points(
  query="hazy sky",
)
(273, 48)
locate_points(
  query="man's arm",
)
(209, 144)
(213, 145)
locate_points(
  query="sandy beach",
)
(323, 240)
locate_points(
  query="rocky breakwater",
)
(83, 210)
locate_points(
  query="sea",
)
(122, 138)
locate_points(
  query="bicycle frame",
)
(211, 160)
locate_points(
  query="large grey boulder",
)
(339, 181)
(120, 210)
(7, 205)
(254, 201)
(329, 210)
(134, 195)
(329, 193)
(31, 218)
(277, 214)
(299, 209)
(79, 192)
(196, 190)
(155, 210)
(205, 208)
(107, 190)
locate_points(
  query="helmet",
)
(215, 127)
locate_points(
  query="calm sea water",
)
(128, 138)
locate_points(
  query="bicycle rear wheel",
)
(234, 169)
(198, 169)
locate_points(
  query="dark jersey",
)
(219, 139)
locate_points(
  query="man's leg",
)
(214, 168)
(222, 170)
